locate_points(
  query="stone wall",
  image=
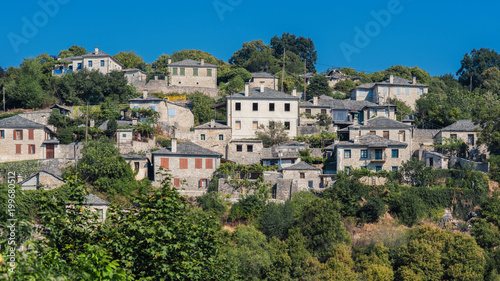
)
(67, 151)
(161, 86)
(41, 116)
(245, 157)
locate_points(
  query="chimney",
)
(92, 123)
(391, 79)
(294, 92)
(262, 86)
(202, 63)
(414, 80)
(315, 100)
(247, 88)
(174, 145)
(96, 50)
(212, 123)
(169, 60)
(134, 122)
(156, 77)
(144, 94)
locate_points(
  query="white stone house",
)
(97, 60)
(192, 73)
(466, 131)
(303, 176)
(247, 110)
(270, 81)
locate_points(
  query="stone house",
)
(333, 77)
(134, 75)
(97, 60)
(466, 131)
(42, 180)
(214, 136)
(303, 176)
(190, 166)
(270, 81)
(139, 164)
(395, 87)
(192, 73)
(259, 106)
(245, 151)
(435, 160)
(98, 205)
(22, 139)
(371, 152)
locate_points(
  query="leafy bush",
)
(247, 208)
(213, 203)
(276, 219)
(372, 210)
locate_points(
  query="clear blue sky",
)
(433, 35)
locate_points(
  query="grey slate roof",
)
(91, 199)
(370, 140)
(424, 134)
(461, 126)
(262, 75)
(148, 98)
(208, 125)
(382, 122)
(19, 122)
(397, 81)
(60, 107)
(132, 155)
(301, 166)
(121, 123)
(268, 93)
(347, 104)
(187, 148)
(40, 171)
(192, 63)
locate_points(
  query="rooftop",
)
(382, 122)
(192, 63)
(210, 125)
(268, 93)
(148, 98)
(262, 75)
(370, 140)
(20, 123)
(461, 126)
(91, 199)
(301, 166)
(397, 81)
(187, 148)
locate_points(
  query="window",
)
(124, 135)
(378, 168)
(18, 149)
(31, 149)
(237, 125)
(102, 63)
(384, 90)
(470, 139)
(420, 91)
(171, 112)
(287, 125)
(364, 167)
(79, 66)
(398, 90)
(271, 106)
(177, 182)
(209, 163)
(255, 106)
(153, 107)
(202, 137)
(394, 168)
(249, 148)
(164, 163)
(387, 112)
(378, 154)
(183, 71)
(395, 153)
(302, 175)
(402, 136)
(2, 134)
(364, 153)
(90, 63)
(31, 134)
(287, 107)
(255, 125)
(347, 169)
(347, 153)
(100, 214)
(195, 71)
(237, 106)
(175, 70)
(203, 182)
(209, 72)
(308, 111)
(453, 137)
(136, 107)
(18, 134)
(198, 163)
(311, 184)
(323, 111)
(386, 134)
(407, 91)
(239, 148)
(221, 137)
(136, 166)
(373, 132)
(183, 163)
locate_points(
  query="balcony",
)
(57, 72)
(375, 156)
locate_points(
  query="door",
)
(49, 148)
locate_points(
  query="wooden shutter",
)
(18, 148)
(201, 181)
(198, 163)
(21, 134)
(15, 136)
(177, 182)
(183, 163)
(31, 134)
(164, 163)
(209, 163)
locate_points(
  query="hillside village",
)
(248, 139)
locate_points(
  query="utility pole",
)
(4, 99)
(87, 123)
(283, 72)
(470, 84)
(305, 82)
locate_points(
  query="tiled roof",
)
(91, 199)
(397, 81)
(370, 140)
(121, 123)
(19, 122)
(132, 155)
(191, 63)
(382, 122)
(262, 75)
(301, 166)
(148, 98)
(268, 93)
(208, 125)
(187, 148)
(461, 126)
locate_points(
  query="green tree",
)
(345, 86)
(254, 56)
(74, 50)
(247, 208)
(130, 59)
(408, 73)
(276, 219)
(202, 110)
(415, 173)
(403, 109)
(304, 47)
(228, 74)
(474, 64)
(318, 86)
(487, 116)
(373, 262)
(235, 85)
(274, 133)
(161, 63)
(212, 202)
(491, 79)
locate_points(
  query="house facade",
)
(213, 136)
(395, 87)
(269, 80)
(190, 166)
(97, 60)
(192, 73)
(22, 139)
(466, 131)
(303, 176)
(42, 180)
(247, 110)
